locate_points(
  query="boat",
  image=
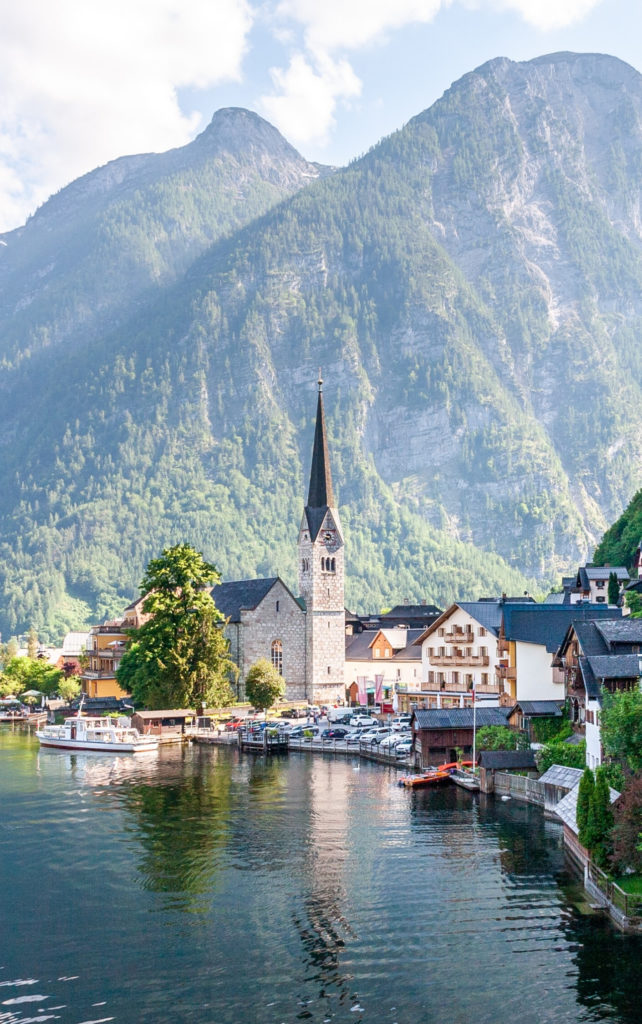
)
(426, 779)
(464, 778)
(84, 733)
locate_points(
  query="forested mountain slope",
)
(471, 290)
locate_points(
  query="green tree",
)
(634, 603)
(500, 737)
(613, 588)
(571, 755)
(32, 674)
(179, 657)
(69, 688)
(264, 685)
(584, 796)
(621, 727)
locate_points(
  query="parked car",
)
(390, 742)
(298, 731)
(399, 721)
(362, 722)
(294, 713)
(377, 735)
(354, 736)
(337, 733)
(403, 749)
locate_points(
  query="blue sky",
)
(84, 82)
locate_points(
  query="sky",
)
(83, 82)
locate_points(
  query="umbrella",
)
(32, 693)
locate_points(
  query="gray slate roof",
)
(591, 642)
(591, 685)
(621, 631)
(546, 624)
(602, 572)
(231, 597)
(615, 666)
(560, 775)
(358, 648)
(518, 760)
(535, 708)
(460, 718)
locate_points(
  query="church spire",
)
(320, 495)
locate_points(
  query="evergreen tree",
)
(627, 828)
(32, 643)
(613, 589)
(584, 797)
(600, 821)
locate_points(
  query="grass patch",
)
(630, 883)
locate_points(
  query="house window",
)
(600, 584)
(481, 631)
(455, 677)
(483, 651)
(441, 631)
(599, 600)
(328, 670)
(484, 678)
(387, 652)
(277, 655)
(376, 652)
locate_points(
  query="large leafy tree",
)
(179, 657)
(621, 726)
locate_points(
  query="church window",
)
(277, 656)
(277, 606)
(323, 564)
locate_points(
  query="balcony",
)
(506, 672)
(459, 659)
(90, 674)
(458, 638)
(486, 688)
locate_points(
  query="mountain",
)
(470, 288)
(118, 236)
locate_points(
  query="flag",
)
(362, 690)
(378, 688)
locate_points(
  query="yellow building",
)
(105, 648)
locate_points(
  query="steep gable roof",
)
(231, 598)
(621, 631)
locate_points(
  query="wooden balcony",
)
(486, 688)
(92, 674)
(458, 638)
(459, 659)
(506, 672)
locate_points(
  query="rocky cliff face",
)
(471, 289)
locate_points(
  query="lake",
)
(201, 885)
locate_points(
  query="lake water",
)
(197, 885)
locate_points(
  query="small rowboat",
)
(427, 779)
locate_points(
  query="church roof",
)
(231, 598)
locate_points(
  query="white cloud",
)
(549, 14)
(306, 97)
(83, 81)
(319, 77)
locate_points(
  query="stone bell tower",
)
(321, 576)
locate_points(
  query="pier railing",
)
(629, 904)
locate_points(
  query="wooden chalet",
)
(439, 733)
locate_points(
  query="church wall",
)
(263, 625)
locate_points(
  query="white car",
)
(362, 722)
(390, 742)
(376, 735)
(400, 722)
(404, 748)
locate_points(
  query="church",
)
(304, 637)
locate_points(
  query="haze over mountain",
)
(471, 289)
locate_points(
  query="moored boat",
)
(96, 734)
(426, 779)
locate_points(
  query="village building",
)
(529, 637)
(388, 663)
(595, 656)
(460, 654)
(441, 735)
(105, 647)
(591, 584)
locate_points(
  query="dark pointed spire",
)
(320, 494)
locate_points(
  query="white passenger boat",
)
(82, 733)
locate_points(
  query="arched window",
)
(323, 565)
(277, 656)
(334, 569)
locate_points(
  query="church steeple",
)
(320, 494)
